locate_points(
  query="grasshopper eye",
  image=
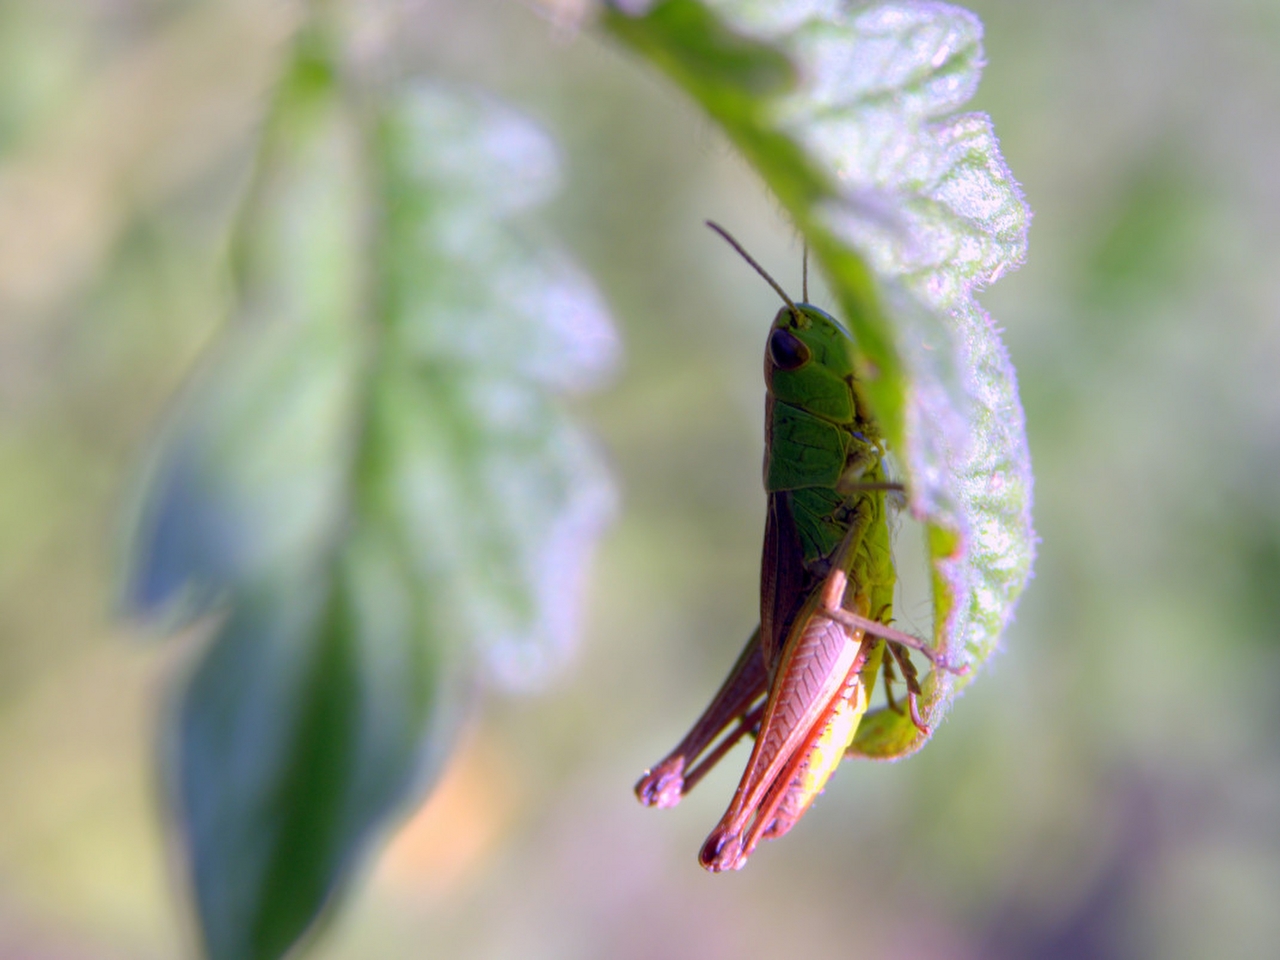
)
(787, 351)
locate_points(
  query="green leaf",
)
(908, 208)
(502, 497)
(317, 709)
(370, 487)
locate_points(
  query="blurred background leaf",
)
(1108, 789)
(371, 478)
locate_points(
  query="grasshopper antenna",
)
(795, 311)
(804, 267)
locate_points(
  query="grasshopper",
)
(802, 682)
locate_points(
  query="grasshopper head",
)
(807, 343)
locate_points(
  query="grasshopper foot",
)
(722, 851)
(663, 785)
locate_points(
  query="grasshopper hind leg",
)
(910, 678)
(736, 707)
(890, 678)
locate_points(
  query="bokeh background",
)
(1110, 787)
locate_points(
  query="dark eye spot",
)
(787, 350)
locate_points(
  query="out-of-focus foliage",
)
(1108, 790)
(850, 117)
(371, 478)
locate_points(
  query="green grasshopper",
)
(801, 685)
